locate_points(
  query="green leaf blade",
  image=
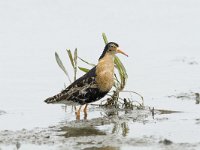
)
(86, 62)
(75, 62)
(84, 69)
(105, 38)
(70, 57)
(122, 73)
(60, 64)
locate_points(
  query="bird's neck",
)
(107, 59)
(105, 72)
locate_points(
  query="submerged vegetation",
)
(120, 75)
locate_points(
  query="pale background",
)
(161, 38)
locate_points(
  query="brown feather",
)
(105, 72)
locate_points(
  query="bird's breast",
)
(105, 76)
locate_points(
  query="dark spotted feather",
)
(83, 90)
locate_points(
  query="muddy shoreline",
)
(94, 133)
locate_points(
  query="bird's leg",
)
(78, 113)
(85, 111)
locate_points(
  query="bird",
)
(93, 85)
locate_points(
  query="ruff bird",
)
(92, 86)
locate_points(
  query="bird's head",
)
(112, 48)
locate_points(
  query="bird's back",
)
(83, 90)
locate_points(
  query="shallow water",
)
(162, 40)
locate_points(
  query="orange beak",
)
(120, 51)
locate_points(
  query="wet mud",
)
(108, 132)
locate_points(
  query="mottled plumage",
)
(83, 90)
(94, 85)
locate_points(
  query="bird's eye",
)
(111, 48)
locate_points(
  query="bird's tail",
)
(53, 99)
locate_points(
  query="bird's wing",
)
(89, 77)
(77, 89)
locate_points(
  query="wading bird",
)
(92, 86)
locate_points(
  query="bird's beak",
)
(120, 51)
